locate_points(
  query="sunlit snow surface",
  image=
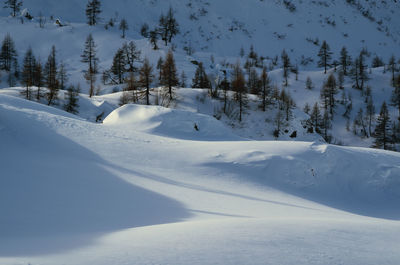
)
(137, 190)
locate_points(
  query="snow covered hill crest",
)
(223, 27)
(130, 191)
(170, 123)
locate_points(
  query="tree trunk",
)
(240, 107)
(147, 95)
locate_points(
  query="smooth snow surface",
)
(141, 189)
(169, 122)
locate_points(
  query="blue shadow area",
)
(56, 195)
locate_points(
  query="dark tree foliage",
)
(154, 39)
(8, 54)
(162, 29)
(173, 26)
(183, 79)
(359, 72)
(265, 89)
(345, 60)
(295, 70)
(9, 60)
(335, 64)
(370, 114)
(377, 62)
(395, 99)
(38, 78)
(50, 73)
(118, 66)
(62, 76)
(325, 56)
(28, 72)
(239, 87)
(382, 132)
(360, 122)
(253, 82)
(200, 79)
(241, 52)
(328, 93)
(168, 26)
(309, 83)
(132, 56)
(14, 5)
(144, 30)
(130, 90)
(89, 56)
(93, 10)
(286, 66)
(146, 78)
(225, 85)
(392, 67)
(72, 97)
(253, 57)
(340, 79)
(123, 26)
(326, 125)
(286, 104)
(315, 120)
(307, 108)
(362, 69)
(169, 76)
(252, 54)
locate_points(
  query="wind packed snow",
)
(119, 194)
(171, 123)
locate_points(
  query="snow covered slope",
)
(189, 185)
(172, 123)
(108, 193)
(269, 25)
(256, 125)
(52, 184)
(216, 27)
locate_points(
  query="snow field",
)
(138, 196)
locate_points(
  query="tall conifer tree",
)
(89, 56)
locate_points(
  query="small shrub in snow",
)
(289, 5)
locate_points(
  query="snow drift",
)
(171, 123)
(357, 180)
(51, 186)
(112, 193)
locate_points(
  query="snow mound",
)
(171, 123)
(51, 186)
(71, 189)
(358, 180)
(94, 109)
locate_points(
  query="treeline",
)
(253, 79)
(233, 84)
(46, 77)
(138, 81)
(137, 75)
(166, 30)
(367, 123)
